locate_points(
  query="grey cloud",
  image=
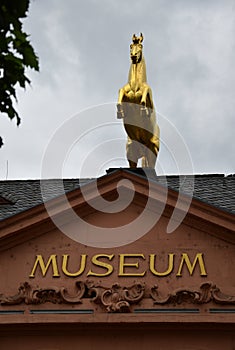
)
(83, 47)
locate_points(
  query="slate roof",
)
(215, 189)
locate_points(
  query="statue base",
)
(150, 173)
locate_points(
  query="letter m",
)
(191, 266)
(44, 267)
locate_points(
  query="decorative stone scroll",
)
(29, 295)
(115, 298)
(207, 292)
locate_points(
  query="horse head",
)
(136, 48)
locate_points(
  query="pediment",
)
(107, 199)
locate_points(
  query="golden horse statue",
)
(135, 106)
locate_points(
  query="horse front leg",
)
(145, 92)
(120, 112)
(144, 110)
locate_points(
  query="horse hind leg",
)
(144, 162)
(152, 152)
(132, 153)
(132, 164)
(151, 159)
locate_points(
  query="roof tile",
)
(215, 189)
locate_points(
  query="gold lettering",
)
(96, 262)
(39, 261)
(123, 264)
(128, 265)
(169, 269)
(75, 274)
(185, 259)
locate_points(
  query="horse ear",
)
(133, 37)
(141, 37)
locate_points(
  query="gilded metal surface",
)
(135, 106)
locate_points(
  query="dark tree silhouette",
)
(16, 54)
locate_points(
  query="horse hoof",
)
(144, 112)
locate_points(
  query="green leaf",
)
(16, 53)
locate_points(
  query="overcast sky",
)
(83, 47)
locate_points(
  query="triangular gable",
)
(18, 228)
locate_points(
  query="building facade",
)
(89, 270)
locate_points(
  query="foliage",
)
(16, 54)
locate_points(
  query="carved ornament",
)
(207, 292)
(116, 298)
